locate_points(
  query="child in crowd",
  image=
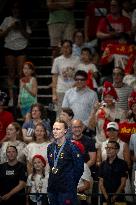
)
(28, 89)
(87, 65)
(37, 182)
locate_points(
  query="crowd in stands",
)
(91, 147)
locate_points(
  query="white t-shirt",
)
(34, 148)
(38, 185)
(14, 39)
(65, 68)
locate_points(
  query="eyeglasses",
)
(80, 79)
(110, 148)
(112, 129)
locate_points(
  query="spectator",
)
(61, 16)
(132, 107)
(123, 90)
(5, 117)
(88, 66)
(12, 179)
(63, 70)
(110, 27)
(15, 31)
(67, 115)
(37, 146)
(38, 115)
(132, 147)
(105, 111)
(112, 175)
(66, 167)
(84, 188)
(80, 98)
(13, 137)
(89, 145)
(130, 78)
(79, 43)
(121, 53)
(28, 89)
(95, 10)
(37, 182)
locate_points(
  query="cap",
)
(112, 125)
(40, 157)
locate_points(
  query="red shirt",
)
(95, 16)
(121, 24)
(5, 119)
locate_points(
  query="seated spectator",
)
(5, 117)
(80, 98)
(89, 144)
(37, 182)
(12, 179)
(67, 115)
(37, 146)
(113, 174)
(14, 137)
(79, 43)
(84, 188)
(38, 115)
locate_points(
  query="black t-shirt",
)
(10, 177)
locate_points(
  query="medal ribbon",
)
(56, 158)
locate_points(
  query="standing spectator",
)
(38, 115)
(37, 146)
(123, 90)
(80, 98)
(66, 167)
(28, 89)
(61, 16)
(63, 70)
(113, 174)
(37, 182)
(12, 179)
(88, 66)
(5, 117)
(105, 111)
(110, 27)
(95, 10)
(16, 32)
(13, 137)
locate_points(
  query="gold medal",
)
(54, 170)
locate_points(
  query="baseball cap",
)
(112, 125)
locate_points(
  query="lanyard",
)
(57, 157)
